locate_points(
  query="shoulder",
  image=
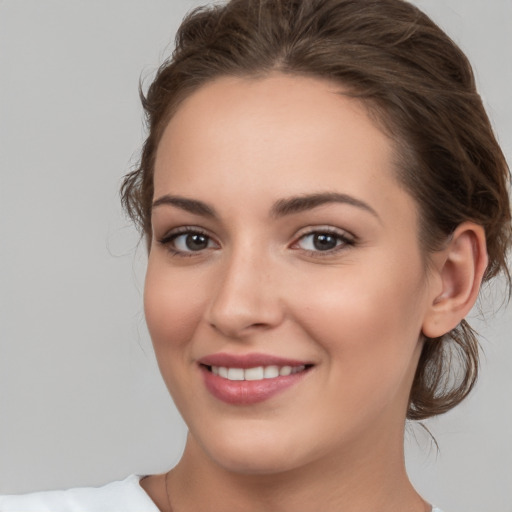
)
(123, 496)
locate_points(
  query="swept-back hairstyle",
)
(419, 88)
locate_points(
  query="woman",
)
(322, 195)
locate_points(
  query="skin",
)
(334, 441)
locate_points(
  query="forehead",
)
(277, 136)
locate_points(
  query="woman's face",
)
(284, 253)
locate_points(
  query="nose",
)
(246, 298)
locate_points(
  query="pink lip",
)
(248, 360)
(247, 392)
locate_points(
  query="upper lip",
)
(248, 360)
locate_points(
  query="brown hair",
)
(415, 82)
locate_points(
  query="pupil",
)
(196, 242)
(324, 242)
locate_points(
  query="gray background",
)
(81, 401)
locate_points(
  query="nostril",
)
(236, 310)
(234, 328)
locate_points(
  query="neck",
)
(371, 477)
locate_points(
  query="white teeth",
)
(235, 374)
(271, 372)
(256, 373)
(285, 370)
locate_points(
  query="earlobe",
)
(459, 268)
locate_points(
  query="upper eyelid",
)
(342, 233)
(168, 239)
(183, 230)
(171, 235)
(346, 238)
(303, 232)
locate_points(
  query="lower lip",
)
(247, 392)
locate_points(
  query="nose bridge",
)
(246, 294)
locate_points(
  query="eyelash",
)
(343, 239)
(169, 238)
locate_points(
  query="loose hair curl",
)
(416, 83)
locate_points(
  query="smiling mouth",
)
(256, 373)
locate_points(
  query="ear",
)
(459, 268)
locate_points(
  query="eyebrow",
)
(281, 208)
(189, 205)
(307, 202)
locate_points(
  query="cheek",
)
(368, 323)
(173, 304)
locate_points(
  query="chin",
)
(253, 453)
(255, 463)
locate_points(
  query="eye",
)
(323, 241)
(187, 241)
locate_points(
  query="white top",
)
(124, 496)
